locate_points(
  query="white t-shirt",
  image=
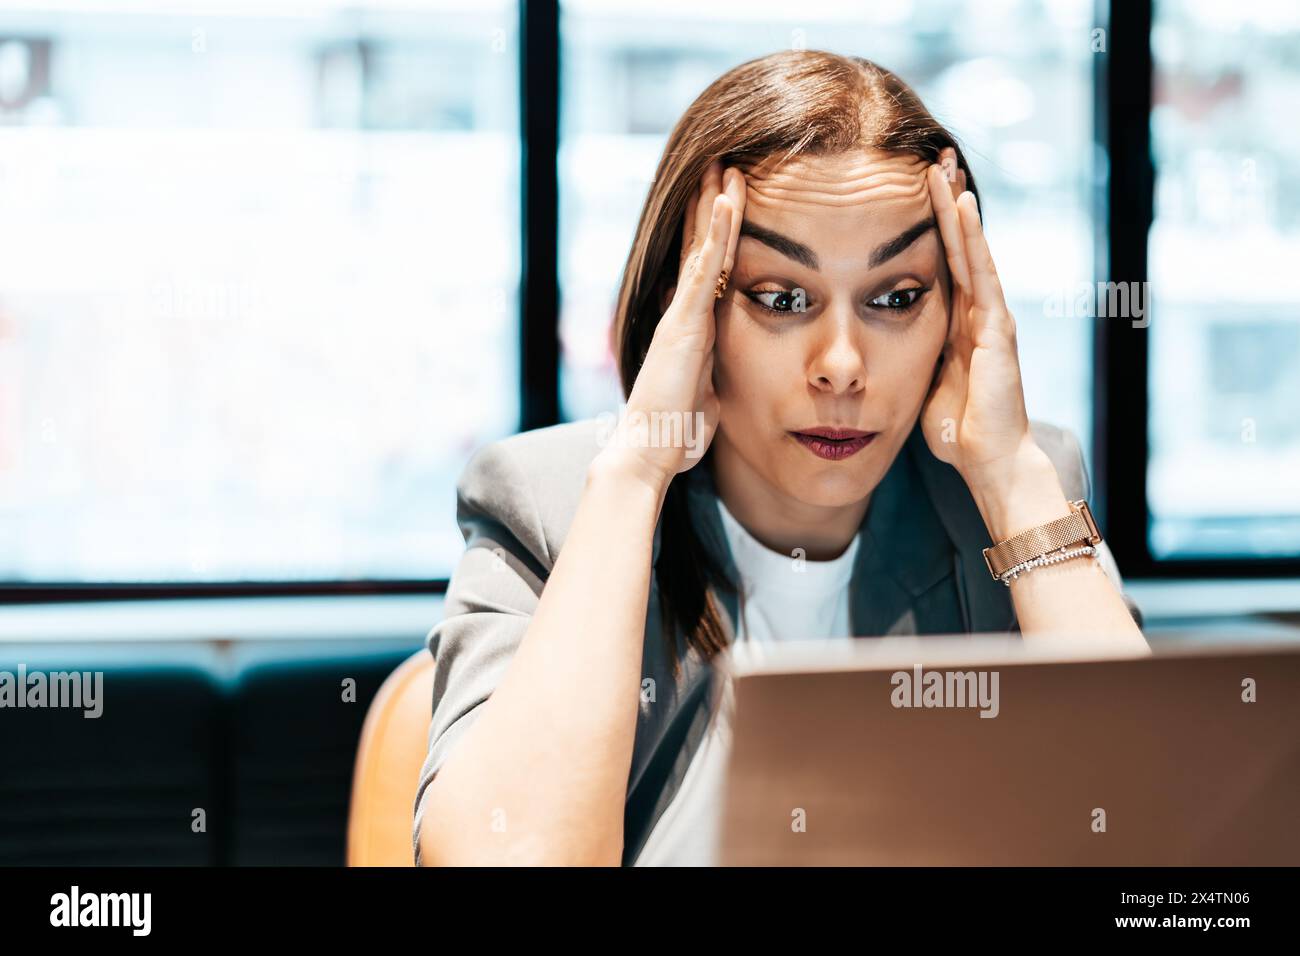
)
(786, 596)
(783, 597)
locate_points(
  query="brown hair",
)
(795, 102)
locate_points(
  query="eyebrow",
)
(792, 249)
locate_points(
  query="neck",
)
(774, 518)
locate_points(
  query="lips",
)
(833, 444)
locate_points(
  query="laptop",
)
(986, 750)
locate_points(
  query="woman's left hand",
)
(974, 417)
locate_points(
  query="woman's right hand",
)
(676, 378)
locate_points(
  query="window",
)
(262, 261)
(260, 267)
(1224, 475)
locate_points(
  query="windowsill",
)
(1158, 597)
(1166, 605)
(346, 617)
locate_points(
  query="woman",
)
(810, 299)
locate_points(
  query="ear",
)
(951, 171)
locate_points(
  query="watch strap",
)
(1071, 529)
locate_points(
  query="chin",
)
(829, 487)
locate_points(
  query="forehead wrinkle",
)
(893, 190)
(812, 182)
(889, 189)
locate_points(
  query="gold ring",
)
(721, 286)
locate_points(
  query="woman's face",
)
(834, 318)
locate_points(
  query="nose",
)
(838, 365)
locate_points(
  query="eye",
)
(781, 301)
(792, 301)
(898, 300)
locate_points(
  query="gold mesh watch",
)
(1075, 528)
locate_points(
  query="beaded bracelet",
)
(1051, 557)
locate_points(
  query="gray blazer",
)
(919, 570)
